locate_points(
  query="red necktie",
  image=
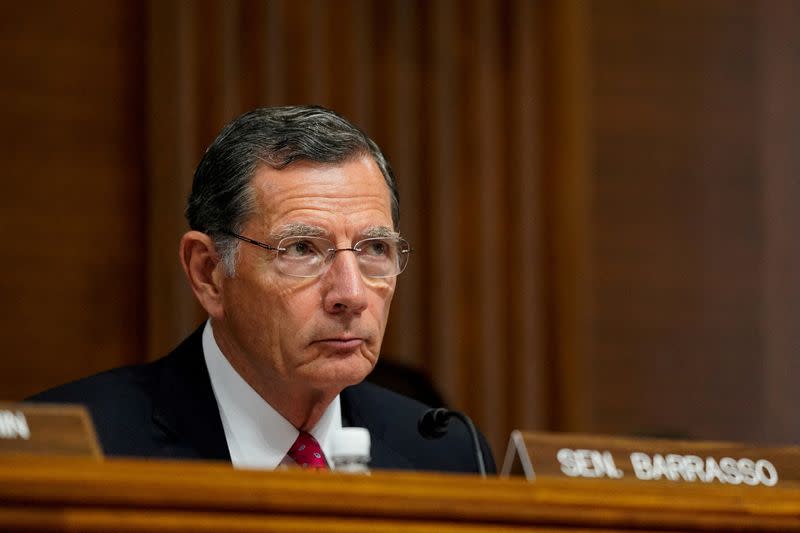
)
(307, 452)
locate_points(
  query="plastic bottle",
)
(350, 450)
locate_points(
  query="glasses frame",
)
(405, 250)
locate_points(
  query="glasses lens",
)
(382, 258)
(302, 256)
(307, 257)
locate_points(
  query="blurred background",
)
(602, 195)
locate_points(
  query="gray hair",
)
(221, 197)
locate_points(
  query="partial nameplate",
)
(47, 429)
(569, 455)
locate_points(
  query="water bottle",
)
(350, 450)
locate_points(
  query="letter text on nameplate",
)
(688, 463)
(47, 429)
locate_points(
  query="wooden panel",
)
(48, 430)
(666, 261)
(567, 190)
(172, 156)
(779, 53)
(651, 461)
(599, 193)
(442, 260)
(73, 191)
(159, 495)
(676, 225)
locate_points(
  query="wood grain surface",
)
(135, 495)
(53, 429)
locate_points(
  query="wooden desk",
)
(135, 495)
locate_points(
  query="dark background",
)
(603, 195)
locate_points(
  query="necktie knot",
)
(307, 452)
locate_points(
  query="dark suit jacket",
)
(167, 409)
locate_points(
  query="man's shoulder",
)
(372, 402)
(120, 402)
(118, 382)
(393, 421)
(114, 397)
(124, 382)
(125, 402)
(375, 391)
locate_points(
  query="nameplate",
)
(568, 455)
(47, 429)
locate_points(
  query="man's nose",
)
(346, 291)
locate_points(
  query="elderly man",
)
(293, 252)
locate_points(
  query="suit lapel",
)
(383, 456)
(185, 411)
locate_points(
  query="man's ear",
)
(204, 271)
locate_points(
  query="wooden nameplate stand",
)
(83, 494)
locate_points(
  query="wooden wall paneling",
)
(319, 50)
(445, 273)
(215, 69)
(675, 221)
(338, 59)
(363, 42)
(400, 96)
(527, 391)
(234, 73)
(732, 228)
(70, 221)
(172, 157)
(568, 188)
(779, 136)
(276, 55)
(643, 152)
(490, 293)
(252, 52)
(468, 215)
(297, 74)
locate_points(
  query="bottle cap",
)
(351, 442)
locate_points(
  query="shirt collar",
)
(257, 435)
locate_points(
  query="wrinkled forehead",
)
(379, 166)
(321, 194)
(359, 174)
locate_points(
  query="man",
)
(293, 251)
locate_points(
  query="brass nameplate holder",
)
(47, 429)
(567, 455)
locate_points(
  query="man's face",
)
(320, 333)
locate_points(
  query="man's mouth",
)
(341, 344)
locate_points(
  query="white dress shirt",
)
(257, 435)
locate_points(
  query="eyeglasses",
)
(309, 257)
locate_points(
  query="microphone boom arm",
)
(433, 425)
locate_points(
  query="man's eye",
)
(376, 248)
(300, 249)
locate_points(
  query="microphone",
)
(433, 425)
